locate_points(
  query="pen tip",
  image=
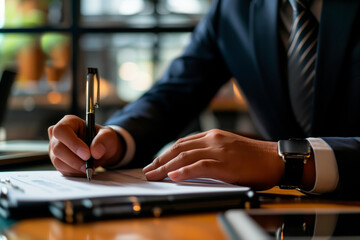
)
(89, 174)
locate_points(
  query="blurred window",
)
(131, 42)
(132, 62)
(142, 13)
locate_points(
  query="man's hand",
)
(220, 155)
(68, 151)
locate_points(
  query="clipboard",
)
(87, 210)
(114, 194)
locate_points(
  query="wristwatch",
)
(295, 153)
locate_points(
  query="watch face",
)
(294, 147)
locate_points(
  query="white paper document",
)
(52, 185)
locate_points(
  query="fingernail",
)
(83, 153)
(83, 168)
(173, 175)
(98, 151)
(151, 175)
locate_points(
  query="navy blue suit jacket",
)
(240, 39)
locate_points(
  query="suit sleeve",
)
(186, 89)
(347, 153)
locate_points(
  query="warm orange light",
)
(54, 97)
(136, 208)
(105, 88)
(237, 92)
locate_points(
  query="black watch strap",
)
(294, 153)
(292, 174)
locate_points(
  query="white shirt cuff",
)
(130, 146)
(327, 176)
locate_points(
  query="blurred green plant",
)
(49, 41)
(26, 14)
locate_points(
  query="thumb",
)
(106, 147)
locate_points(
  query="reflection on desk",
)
(199, 226)
(184, 226)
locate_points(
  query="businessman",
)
(298, 64)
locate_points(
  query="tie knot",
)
(299, 5)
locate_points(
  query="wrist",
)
(276, 163)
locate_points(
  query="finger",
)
(183, 159)
(65, 169)
(66, 132)
(206, 168)
(63, 155)
(177, 148)
(50, 130)
(193, 136)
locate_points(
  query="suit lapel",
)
(334, 36)
(265, 35)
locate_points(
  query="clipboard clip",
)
(6, 186)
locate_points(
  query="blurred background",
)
(50, 44)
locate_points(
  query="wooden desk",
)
(189, 226)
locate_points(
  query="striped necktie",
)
(301, 62)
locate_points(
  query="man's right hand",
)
(68, 151)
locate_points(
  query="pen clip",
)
(97, 103)
(91, 104)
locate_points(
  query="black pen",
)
(91, 104)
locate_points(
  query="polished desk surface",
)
(186, 226)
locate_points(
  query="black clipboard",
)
(94, 209)
(86, 210)
(30, 194)
(23, 210)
